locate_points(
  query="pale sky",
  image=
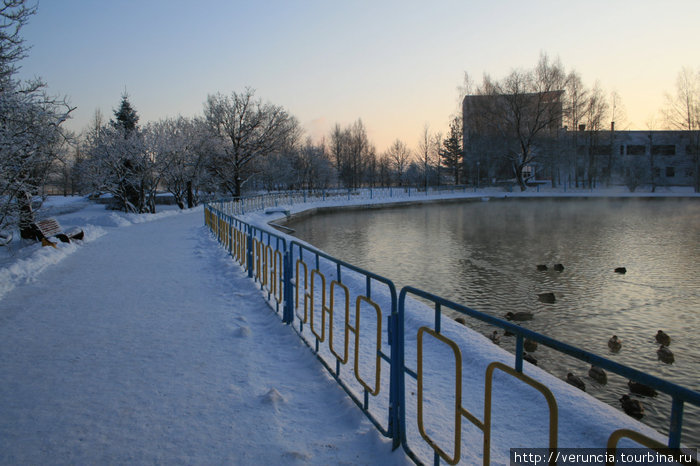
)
(394, 64)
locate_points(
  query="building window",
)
(622, 150)
(670, 172)
(657, 172)
(663, 149)
(633, 149)
(689, 172)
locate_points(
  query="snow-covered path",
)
(148, 345)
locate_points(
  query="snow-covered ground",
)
(146, 343)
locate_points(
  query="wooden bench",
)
(48, 228)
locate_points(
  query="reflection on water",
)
(485, 255)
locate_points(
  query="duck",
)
(529, 358)
(665, 354)
(495, 337)
(575, 381)
(620, 270)
(542, 268)
(461, 320)
(641, 389)
(614, 344)
(530, 346)
(662, 338)
(519, 316)
(632, 407)
(559, 267)
(598, 374)
(547, 298)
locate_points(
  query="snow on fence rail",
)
(340, 311)
(247, 204)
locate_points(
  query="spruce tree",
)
(130, 179)
(452, 155)
(125, 116)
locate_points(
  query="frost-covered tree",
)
(353, 155)
(31, 134)
(179, 147)
(14, 14)
(400, 157)
(119, 161)
(428, 147)
(384, 171)
(247, 129)
(338, 148)
(113, 165)
(312, 167)
(276, 171)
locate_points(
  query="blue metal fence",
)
(314, 292)
(341, 314)
(251, 203)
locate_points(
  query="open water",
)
(484, 255)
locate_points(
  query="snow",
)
(146, 343)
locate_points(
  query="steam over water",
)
(485, 255)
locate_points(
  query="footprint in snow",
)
(297, 455)
(273, 397)
(242, 332)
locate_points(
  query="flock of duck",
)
(631, 406)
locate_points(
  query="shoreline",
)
(295, 215)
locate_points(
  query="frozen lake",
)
(485, 255)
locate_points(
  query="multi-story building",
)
(572, 157)
(636, 157)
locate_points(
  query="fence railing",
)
(354, 321)
(246, 204)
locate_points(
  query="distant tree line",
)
(241, 144)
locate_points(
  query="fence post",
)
(288, 312)
(250, 252)
(396, 384)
